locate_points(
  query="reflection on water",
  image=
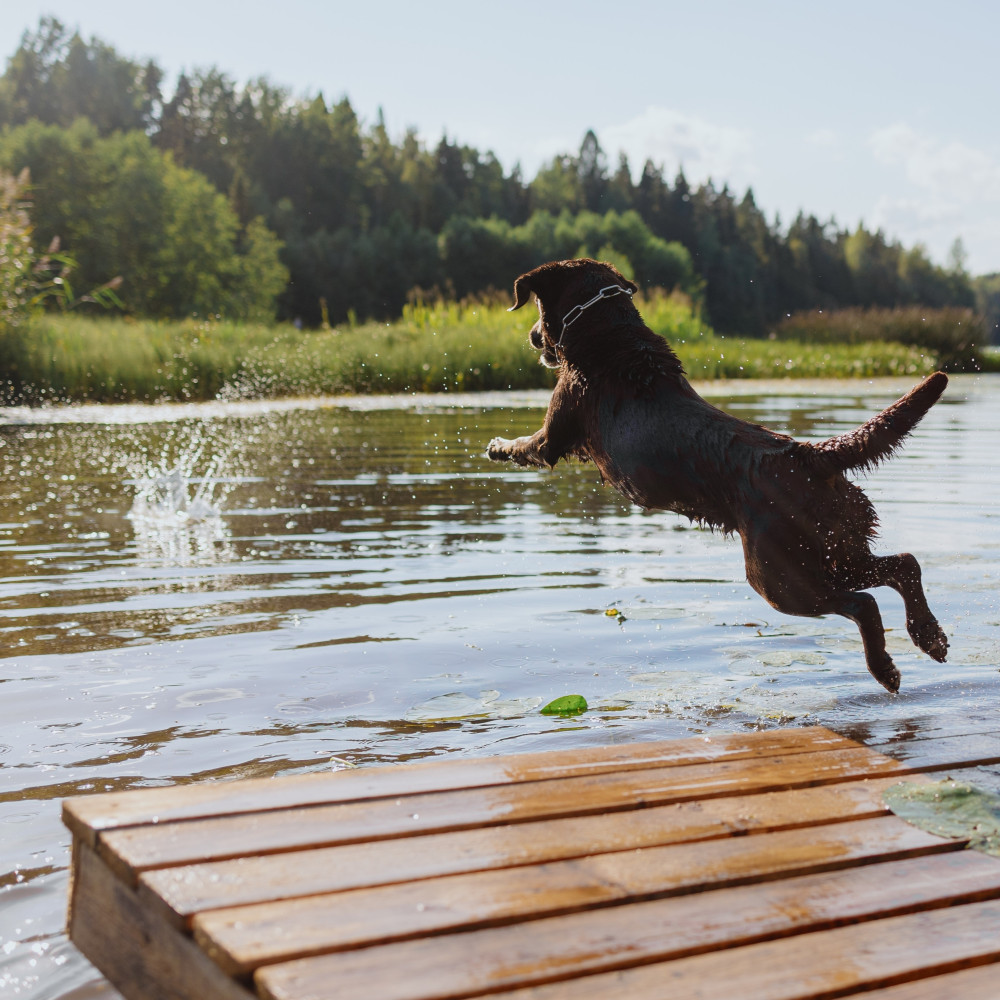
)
(251, 590)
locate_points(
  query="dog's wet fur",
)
(622, 402)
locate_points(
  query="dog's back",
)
(669, 449)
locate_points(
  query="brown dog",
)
(622, 402)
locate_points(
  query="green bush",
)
(485, 253)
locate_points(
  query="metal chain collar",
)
(573, 315)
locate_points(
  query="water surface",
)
(241, 590)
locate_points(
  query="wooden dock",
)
(759, 866)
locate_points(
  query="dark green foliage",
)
(17, 255)
(480, 254)
(367, 274)
(159, 189)
(122, 208)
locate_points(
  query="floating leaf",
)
(510, 708)
(611, 612)
(568, 704)
(950, 809)
(785, 658)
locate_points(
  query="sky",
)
(878, 112)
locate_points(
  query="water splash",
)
(177, 516)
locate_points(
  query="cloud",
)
(825, 138)
(947, 169)
(673, 140)
(941, 189)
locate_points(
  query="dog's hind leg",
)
(902, 573)
(785, 583)
(862, 609)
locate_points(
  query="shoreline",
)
(135, 413)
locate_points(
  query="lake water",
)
(222, 591)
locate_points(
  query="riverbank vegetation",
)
(438, 347)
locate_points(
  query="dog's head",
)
(558, 287)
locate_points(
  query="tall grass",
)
(432, 347)
(716, 357)
(439, 348)
(72, 357)
(955, 336)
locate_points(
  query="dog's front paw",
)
(498, 449)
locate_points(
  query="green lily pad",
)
(568, 704)
(950, 809)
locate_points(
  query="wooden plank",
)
(980, 983)
(189, 889)
(88, 815)
(134, 850)
(822, 964)
(540, 951)
(244, 937)
(141, 956)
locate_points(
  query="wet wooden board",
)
(759, 865)
(93, 813)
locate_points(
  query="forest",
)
(247, 202)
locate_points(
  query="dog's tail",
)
(876, 439)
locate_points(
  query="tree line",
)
(243, 199)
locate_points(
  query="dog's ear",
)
(540, 281)
(549, 279)
(522, 291)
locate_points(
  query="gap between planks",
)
(187, 889)
(133, 850)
